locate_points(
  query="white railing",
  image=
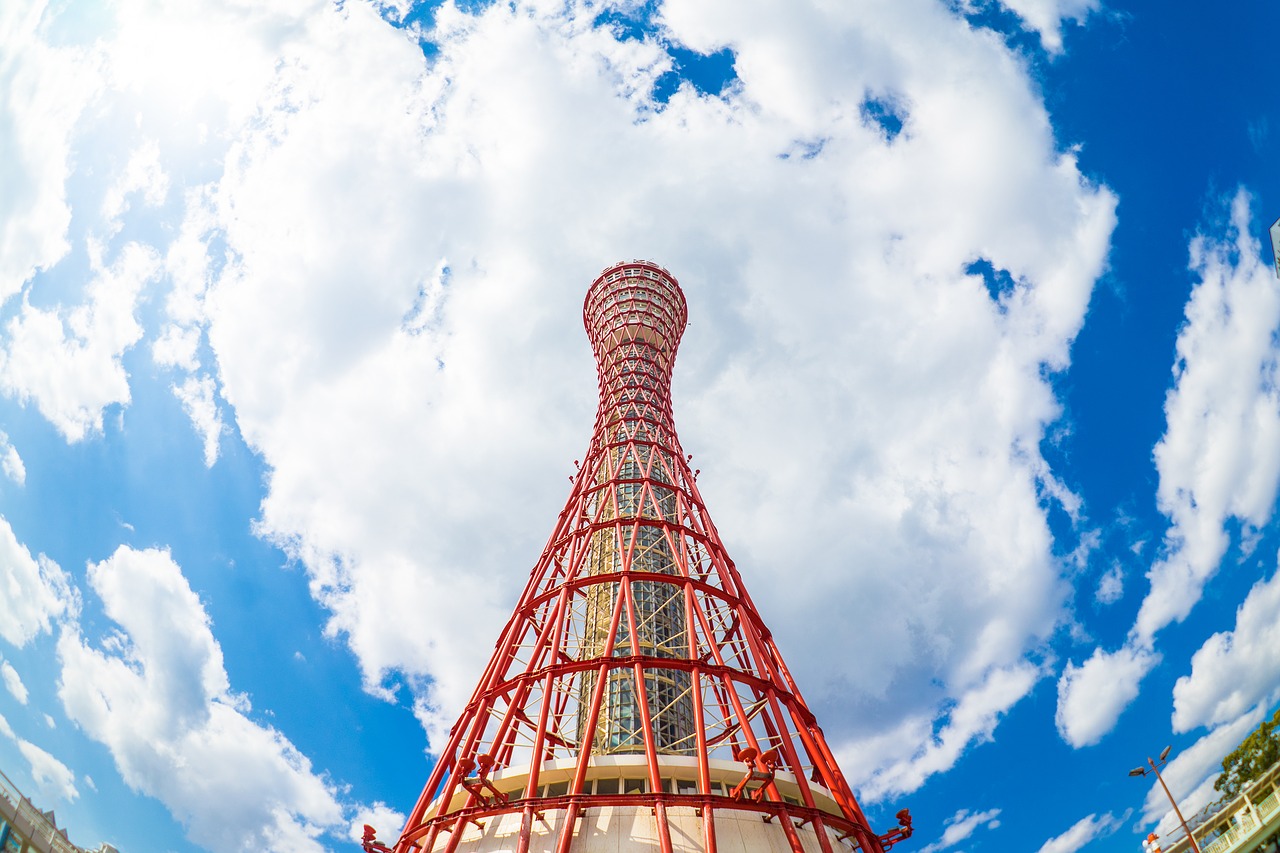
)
(1237, 832)
(1268, 805)
(1248, 817)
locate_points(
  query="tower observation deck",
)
(635, 700)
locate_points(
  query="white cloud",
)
(1092, 695)
(10, 462)
(33, 592)
(960, 826)
(1219, 458)
(1110, 586)
(68, 362)
(13, 682)
(1234, 670)
(200, 62)
(197, 397)
(44, 87)
(53, 779)
(385, 257)
(387, 821)
(1082, 832)
(177, 347)
(1220, 455)
(1047, 16)
(158, 697)
(884, 770)
(142, 176)
(951, 486)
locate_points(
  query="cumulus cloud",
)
(177, 347)
(1092, 695)
(379, 275)
(1046, 17)
(1234, 670)
(1220, 456)
(187, 262)
(885, 770)
(196, 394)
(33, 591)
(1110, 586)
(882, 311)
(386, 820)
(44, 88)
(157, 695)
(940, 480)
(10, 462)
(68, 361)
(1218, 461)
(143, 177)
(960, 826)
(13, 682)
(1083, 831)
(53, 779)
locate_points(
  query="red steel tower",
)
(635, 700)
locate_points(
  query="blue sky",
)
(981, 377)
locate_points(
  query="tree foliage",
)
(1253, 757)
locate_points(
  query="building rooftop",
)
(35, 828)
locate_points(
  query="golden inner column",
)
(636, 510)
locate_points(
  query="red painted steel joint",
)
(370, 841)
(901, 832)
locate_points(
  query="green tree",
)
(1253, 757)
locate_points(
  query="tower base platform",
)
(626, 828)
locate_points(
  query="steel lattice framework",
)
(635, 670)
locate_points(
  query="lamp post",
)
(1155, 768)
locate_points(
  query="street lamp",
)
(1155, 768)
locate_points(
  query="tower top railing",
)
(635, 301)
